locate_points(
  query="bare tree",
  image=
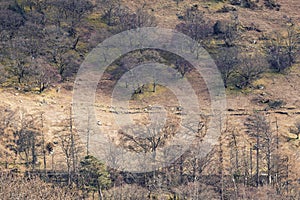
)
(259, 129)
(146, 139)
(292, 41)
(60, 51)
(227, 61)
(17, 69)
(73, 12)
(282, 51)
(27, 137)
(111, 9)
(196, 190)
(235, 161)
(42, 74)
(31, 36)
(249, 69)
(126, 19)
(10, 22)
(195, 25)
(183, 66)
(69, 144)
(8, 148)
(228, 30)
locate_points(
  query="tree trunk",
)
(69, 171)
(33, 153)
(221, 171)
(154, 86)
(72, 142)
(181, 170)
(257, 160)
(43, 145)
(100, 193)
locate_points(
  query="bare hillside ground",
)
(240, 106)
(276, 87)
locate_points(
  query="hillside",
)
(44, 44)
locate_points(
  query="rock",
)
(290, 107)
(179, 108)
(282, 112)
(58, 89)
(263, 94)
(218, 27)
(260, 87)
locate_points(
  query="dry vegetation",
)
(255, 45)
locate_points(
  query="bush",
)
(244, 3)
(274, 104)
(226, 9)
(272, 4)
(14, 186)
(278, 58)
(127, 191)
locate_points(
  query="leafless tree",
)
(42, 74)
(126, 19)
(16, 61)
(227, 61)
(10, 22)
(249, 69)
(292, 41)
(183, 66)
(282, 51)
(259, 128)
(111, 9)
(27, 137)
(146, 139)
(70, 145)
(8, 149)
(72, 12)
(196, 190)
(195, 25)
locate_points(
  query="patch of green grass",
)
(295, 68)
(96, 21)
(215, 4)
(147, 92)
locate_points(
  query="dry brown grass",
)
(284, 87)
